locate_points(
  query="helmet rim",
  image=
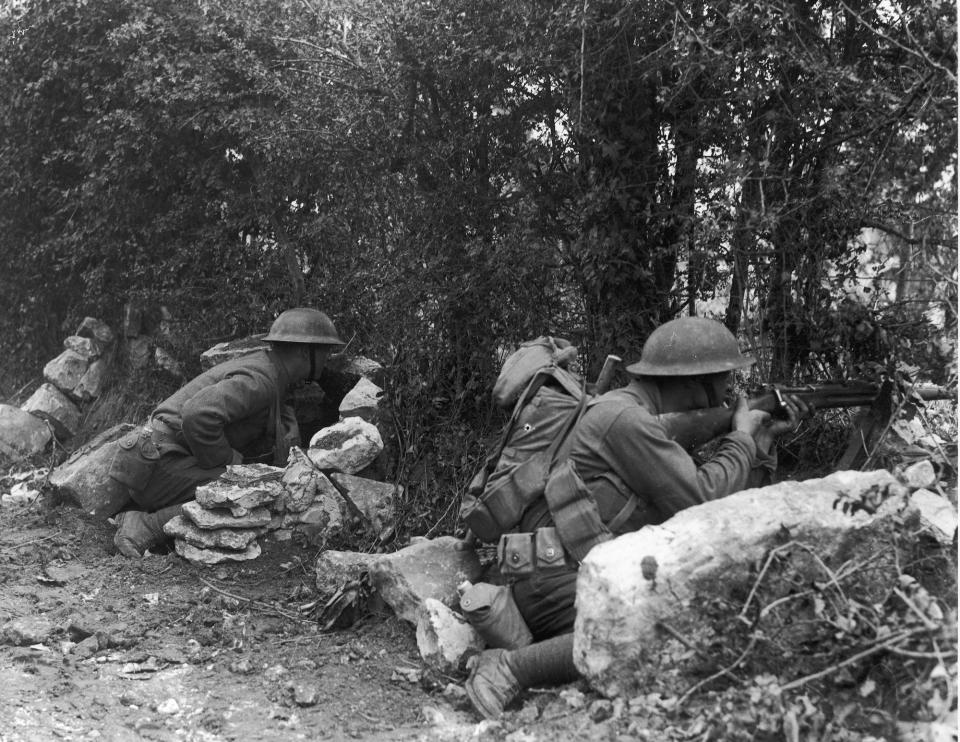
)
(303, 325)
(690, 346)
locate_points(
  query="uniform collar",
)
(646, 393)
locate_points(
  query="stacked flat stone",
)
(71, 380)
(228, 515)
(321, 489)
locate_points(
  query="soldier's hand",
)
(796, 410)
(746, 420)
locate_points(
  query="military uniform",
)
(232, 413)
(620, 448)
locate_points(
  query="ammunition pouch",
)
(524, 554)
(575, 512)
(135, 459)
(494, 505)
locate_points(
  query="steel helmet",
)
(689, 346)
(303, 325)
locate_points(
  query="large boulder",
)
(231, 349)
(21, 434)
(629, 587)
(66, 370)
(52, 405)
(424, 569)
(334, 568)
(84, 478)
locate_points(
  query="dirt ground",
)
(96, 646)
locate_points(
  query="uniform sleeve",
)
(209, 411)
(654, 466)
(289, 430)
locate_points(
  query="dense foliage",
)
(447, 179)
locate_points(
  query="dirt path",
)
(96, 646)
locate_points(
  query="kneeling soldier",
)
(232, 413)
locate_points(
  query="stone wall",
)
(72, 381)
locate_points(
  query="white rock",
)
(87, 347)
(299, 482)
(349, 446)
(444, 638)
(937, 515)
(425, 569)
(91, 383)
(22, 434)
(50, 404)
(627, 585)
(66, 370)
(921, 475)
(362, 401)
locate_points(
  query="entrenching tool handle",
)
(610, 366)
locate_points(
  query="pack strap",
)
(533, 386)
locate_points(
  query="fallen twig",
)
(251, 601)
(28, 543)
(742, 616)
(927, 622)
(886, 644)
(686, 642)
(723, 671)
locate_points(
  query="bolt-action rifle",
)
(696, 427)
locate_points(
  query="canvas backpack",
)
(548, 399)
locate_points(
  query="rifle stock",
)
(696, 427)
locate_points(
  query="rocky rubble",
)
(229, 514)
(72, 381)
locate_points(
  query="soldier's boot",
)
(492, 684)
(138, 531)
(499, 675)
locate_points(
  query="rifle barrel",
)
(855, 395)
(696, 427)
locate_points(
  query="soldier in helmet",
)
(232, 413)
(632, 474)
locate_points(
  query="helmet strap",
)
(710, 390)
